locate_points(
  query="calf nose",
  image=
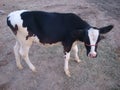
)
(92, 55)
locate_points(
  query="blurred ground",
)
(101, 73)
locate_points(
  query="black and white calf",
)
(50, 28)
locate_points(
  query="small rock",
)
(2, 12)
(9, 53)
(3, 63)
(3, 4)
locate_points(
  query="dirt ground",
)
(102, 73)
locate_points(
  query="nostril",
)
(92, 55)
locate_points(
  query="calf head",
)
(92, 38)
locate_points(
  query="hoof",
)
(34, 70)
(67, 72)
(20, 67)
(78, 60)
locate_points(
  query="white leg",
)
(24, 50)
(66, 68)
(17, 55)
(75, 48)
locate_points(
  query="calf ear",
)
(106, 29)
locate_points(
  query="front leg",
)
(67, 48)
(66, 67)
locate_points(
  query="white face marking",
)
(93, 37)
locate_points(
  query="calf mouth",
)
(92, 55)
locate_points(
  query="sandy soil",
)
(101, 73)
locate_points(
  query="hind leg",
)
(17, 55)
(75, 49)
(24, 51)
